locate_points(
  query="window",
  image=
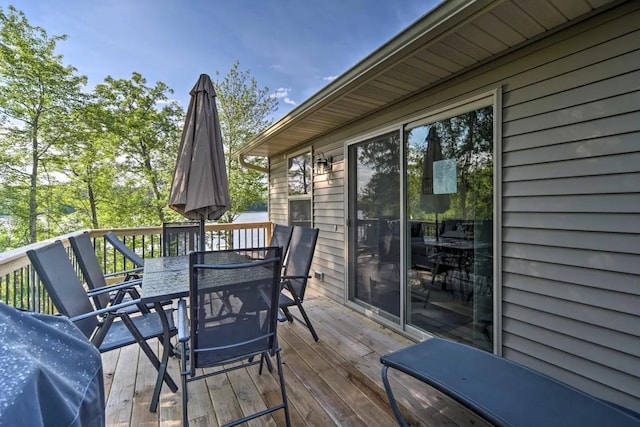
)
(299, 179)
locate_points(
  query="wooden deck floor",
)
(335, 381)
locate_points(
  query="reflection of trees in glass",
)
(300, 175)
(467, 138)
(380, 157)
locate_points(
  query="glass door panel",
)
(374, 234)
(449, 178)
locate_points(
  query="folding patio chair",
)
(231, 318)
(94, 276)
(128, 254)
(296, 273)
(281, 237)
(116, 328)
(180, 238)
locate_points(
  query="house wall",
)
(570, 204)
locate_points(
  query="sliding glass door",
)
(449, 226)
(374, 216)
(421, 211)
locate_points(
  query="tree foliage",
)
(72, 158)
(37, 93)
(146, 128)
(245, 110)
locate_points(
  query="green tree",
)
(244, 110)
(37, 91)
(146, 127)
(91, 177)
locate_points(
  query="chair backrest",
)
(301, 249)
(281, 237)
(90, 266)
(234, 298)
(54, 268)
(121, 247)
(180, 238)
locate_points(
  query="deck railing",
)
(20, 287)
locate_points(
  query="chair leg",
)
(183, 375)
(307, 321)
(287, 313)
(150, 354)
(283, 390)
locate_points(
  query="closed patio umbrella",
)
(200, 188)
(430, 202)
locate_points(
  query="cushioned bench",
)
(502, 392)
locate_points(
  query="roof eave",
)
(442, 18)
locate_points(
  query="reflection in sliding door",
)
(450, 227)
(374, 216)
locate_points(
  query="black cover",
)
(50, 373)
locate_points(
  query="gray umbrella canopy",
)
(200, 189)
(430, 202)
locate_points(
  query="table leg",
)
(162, 369)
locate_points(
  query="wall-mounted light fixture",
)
(322, 163)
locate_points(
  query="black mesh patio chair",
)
(231, 318)
(281, 237)
(180, 238)
(108, 328)
(296, 273)
(96, 279)
(129, 255)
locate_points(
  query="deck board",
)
(335, 381)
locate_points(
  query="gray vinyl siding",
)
(571, 212)
(329, 218)
(278, 190)
(570, 150)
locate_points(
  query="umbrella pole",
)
(437, 237)
(203, 245)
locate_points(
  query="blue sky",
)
(293, 47)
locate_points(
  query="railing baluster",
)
(20, 286)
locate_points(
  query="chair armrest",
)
(125, 272)
(131, 283)
(113, 309)
(112, 288)
(183, 321)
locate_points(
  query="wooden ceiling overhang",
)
(456, 36)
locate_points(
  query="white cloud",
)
(329, 78)
(283, 94)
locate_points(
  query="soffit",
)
(454, 37)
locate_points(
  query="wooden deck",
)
(335, 381)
